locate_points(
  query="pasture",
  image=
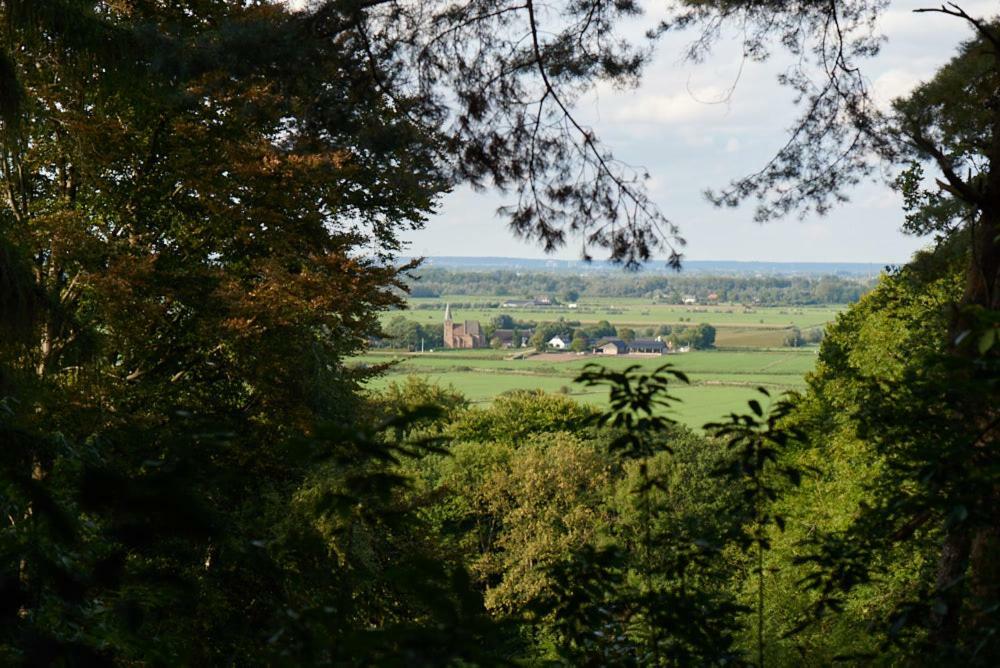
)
(720, 381)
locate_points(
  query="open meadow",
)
(721, 381)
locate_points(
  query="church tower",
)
(449, 330)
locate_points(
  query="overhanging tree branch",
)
(984, 30)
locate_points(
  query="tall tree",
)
(208, 208)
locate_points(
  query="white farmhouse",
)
(558, 343)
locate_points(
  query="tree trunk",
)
(952, 565)
(973, 547)
(971, 544)
(983, 289)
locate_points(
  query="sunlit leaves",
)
(639, 401)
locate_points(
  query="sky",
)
(673, 126)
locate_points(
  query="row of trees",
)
(701, 337)
(400, 332)
(796, 337)
(767, 290)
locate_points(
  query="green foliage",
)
(756, 442)
(387, 592)
(683, 613)
(949, 120)
(413, 394)
(793, 338)
(503, 321)
(571, 295)
(546, 330)
(580, 342)
(516, 416)
(403, 333)
(548, 500)
(600, 330)
(876, 412)
(606, 541)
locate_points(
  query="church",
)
(462, 335)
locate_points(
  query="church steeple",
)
(447, 312)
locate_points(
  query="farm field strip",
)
(721, 381)
(697, 405)
(624, 313)
(788, 381)
(748, 321)
(708, 362)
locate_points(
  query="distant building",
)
(540, 300)
(462, 335)
(513, 338)
(610, 346)
(647, 347)
(713, 297)
(690, 299)
(558, 343)
(667, 342)
(615, 346)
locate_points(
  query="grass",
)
(755, 337)
(789, 361)
(721, 381)
(627, 312)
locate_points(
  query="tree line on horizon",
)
(569, 288)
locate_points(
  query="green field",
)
(736, 326)
(627, 311)
(721, 381)
(748, 342)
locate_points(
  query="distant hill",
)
(690, 267)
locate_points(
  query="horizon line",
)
(651, 261)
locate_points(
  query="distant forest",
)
(777, 290)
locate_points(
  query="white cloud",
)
(895, 83)
(672, 108)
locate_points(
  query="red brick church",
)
(462, 335)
